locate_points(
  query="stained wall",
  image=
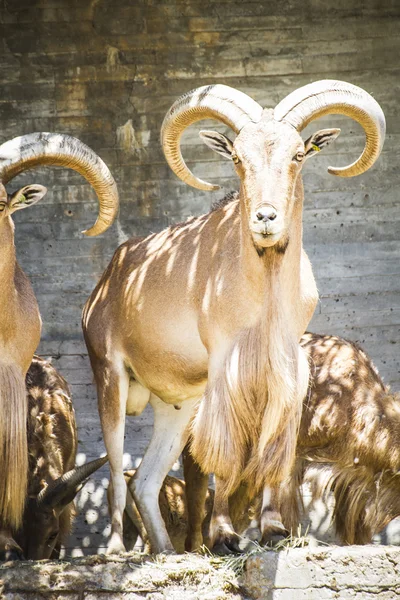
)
(106, 71)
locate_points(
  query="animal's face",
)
(268, 157)
(26, 196)
(40, 531)
(47, 516)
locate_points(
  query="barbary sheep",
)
(213, 309)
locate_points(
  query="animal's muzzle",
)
(265, 222)
(266, 214)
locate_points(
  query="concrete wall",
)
(106, 71)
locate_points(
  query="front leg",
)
(112, 390)
(170, 433)
(272, 529)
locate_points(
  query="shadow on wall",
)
(91, 528)
(92, 525)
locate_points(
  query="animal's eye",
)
(235, 159)
(299, 156)
(53, 536)
(2, 206)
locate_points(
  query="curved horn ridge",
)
(39, 149)
(337, 97)
(220, 102)
(70, 480)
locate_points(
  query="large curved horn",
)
(219, 102)
(37, 149)
(328, 97)
(67, 483)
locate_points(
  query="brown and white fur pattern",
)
(348, 444)
(209, 307)
(350, 431)
(53, 480)
(214, 308)
(20, 323)
(19, 338)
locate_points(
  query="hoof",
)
(115, 545)
(227, 543)
(273, 537)
(167, 552)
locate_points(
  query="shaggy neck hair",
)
(246, 426)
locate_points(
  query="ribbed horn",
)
(39, 149)
(219, 102)
(337, 97)
(59, 488)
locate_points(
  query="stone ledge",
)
(353, 572)
(128, 577)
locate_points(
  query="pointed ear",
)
(319, 140)
(218, 142)
(26, 196)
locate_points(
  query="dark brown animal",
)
(350, 428)
(53, 479)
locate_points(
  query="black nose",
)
(266, 213)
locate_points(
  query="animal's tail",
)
(13, 445)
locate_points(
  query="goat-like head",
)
(268, 151)
(41, 149)
(42, 525)
(268, 157)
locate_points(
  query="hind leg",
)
(170, 434)
(228, 513)
(112, 390)
(196, 487)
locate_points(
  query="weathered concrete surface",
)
(351, 573)
(106, 71)
(120, 578)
